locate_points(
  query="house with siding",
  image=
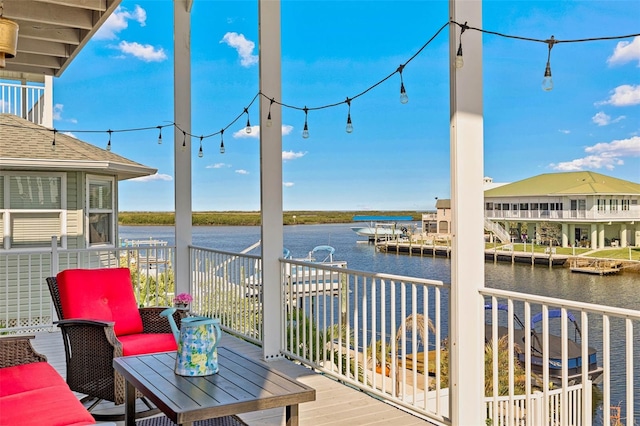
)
(591, 209)
(68, 191)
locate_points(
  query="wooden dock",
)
(595, 266)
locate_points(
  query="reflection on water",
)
(614, 290)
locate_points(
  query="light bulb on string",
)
(349, 127)
(222, 141)
(404, 98)
(547, 81)
(184, 141)
(53, 142)
(159, 135)
(248, 127)
(200, 152)
(109, 143)
(459, 63)
(305, 130)
(269, 122)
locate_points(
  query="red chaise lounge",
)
(32, 393)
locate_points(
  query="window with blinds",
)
(32, 206)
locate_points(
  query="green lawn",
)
(628, 253)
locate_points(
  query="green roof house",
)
(593, 209)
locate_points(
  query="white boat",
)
(381, 227)
(377, 231)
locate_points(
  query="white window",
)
(100, 208)
(31, 209)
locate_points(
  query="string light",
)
(248, 128)
(109, 143)
(53, 142)
(200, 152)
(547, 81)
(184, 141)
(459, 59)
(305, 130)
(403, 93)
(269, 122)
(349, 124)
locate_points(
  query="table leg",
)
(292, 415)
(130, 404)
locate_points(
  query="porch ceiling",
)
(52, 32)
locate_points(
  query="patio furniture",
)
(32, 393)
(100, 321)
(242, 385)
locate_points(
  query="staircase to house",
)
(497, 230)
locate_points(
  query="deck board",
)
(335, 404)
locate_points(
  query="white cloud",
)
(57, 111)
(625, 95)
(606, 155)
(118, 21)
(564, 131)
(70, 134)
(217, 166)
(146, 52)
(626, 51)
(242, 134)
(243, 46)
(242, 172)
(153, 178)
(602, 119)
(290, 155)
(288, 184)
(255, 132)
(57, 114)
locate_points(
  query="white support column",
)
(572, 234)
(565, 235)
(182, 158)
(601, 235)
(467, 199)
(594, 236)
(623, 235)
(47, 110)
(271, 176)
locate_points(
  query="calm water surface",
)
(617, 290)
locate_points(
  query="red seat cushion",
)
(27, 377)
(35, 395)
(100, 294)
(138, 344)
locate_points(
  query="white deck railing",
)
(23, 100)
(384, 334)
(25, 303)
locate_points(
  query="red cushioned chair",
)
(100, 320)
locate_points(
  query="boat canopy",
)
(382, 218)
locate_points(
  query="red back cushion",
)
(100, 294)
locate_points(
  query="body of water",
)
(619, 290)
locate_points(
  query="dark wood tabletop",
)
(240, 386)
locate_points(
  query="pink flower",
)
(183, 298)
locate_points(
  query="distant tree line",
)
(240, 218)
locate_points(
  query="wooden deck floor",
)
(335, 404)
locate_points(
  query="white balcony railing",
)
(23, 100)
(25, 303)
(384, 334)
(545, 215)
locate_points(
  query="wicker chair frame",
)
(90, 347)
(17, 350)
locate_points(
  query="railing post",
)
(55, 267)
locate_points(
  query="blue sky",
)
(398, 154)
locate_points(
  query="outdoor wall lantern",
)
(8, 38)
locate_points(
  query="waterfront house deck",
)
(335, 403)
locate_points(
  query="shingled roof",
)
(569, 183)
(27, 146)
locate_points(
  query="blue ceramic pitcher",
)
(197, 341)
